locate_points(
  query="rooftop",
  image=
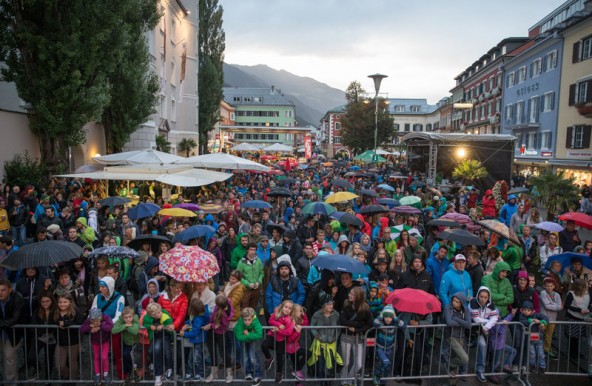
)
(250, 96)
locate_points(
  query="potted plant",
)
(585, 109)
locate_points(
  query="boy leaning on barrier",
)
(483, 311)
(537, 323)
(459, 319)
(550, 305)
(387, 325)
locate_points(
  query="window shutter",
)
(531, 69)
(507, 80)
(568, 138)
(554, 59)
(586, 141)
(527, 112)
(539, 141)
(552, 101)
(576, 53)
(589, 91)
(542, 103)
(544, 64)
(572, 95)
(536, 112)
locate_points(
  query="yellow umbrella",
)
(340, 197)
(176, 212)
(211, 208)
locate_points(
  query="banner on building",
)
(307, 147)
(182, 76)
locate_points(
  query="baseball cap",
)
(460, 257)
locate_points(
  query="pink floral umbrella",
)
(462, 219)
(189, 264)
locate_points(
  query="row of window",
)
(273, 137)
(535, 141)
(486, 85)
(536, 67)
(413, 108)
(258, 114)
(528, 111)
(264, 124)
(247, 99)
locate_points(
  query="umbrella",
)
(549, 226)
(189, 206)
(373, 209)
(256, 204)
(340, 197)
(368, 192)
(349, 174)
(355, 168)
(411, 201)
(581, 219)
(114, 201)
(339, 263)
(500, 229)
(565, 260)
(176, 212)
(286, 180)
(386, 187)
(245, 147)
(42, 254)
(462, 219)
(337, 215)
(280, 228)
(153, 239)
(189, 264)
(318, 207)
(194, 232)
(518, 190)
(223, 161)
(444, 223)
(390, 202)
(461, 236)
(211, 208)
(280, 192)
(119, 251)
(350, 219)
(143, 209)
(417, 184)
(414, 301)
(435, 191)
(342, 184)
(406, 209)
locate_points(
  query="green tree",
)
(469, 170)
(23, 170)
(134, 84)
(60, 55)
(358, 124)
(555, 191)
(211, 73)
(186, 145)
(162, 144)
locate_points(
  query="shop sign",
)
(527, 89)
(546, 154)
(524, 152)
(579, 154)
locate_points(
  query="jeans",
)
(481, 353)
(507, 354)
(251, 359)
(536, 354)
(353, 358)
(130, 358)
(383, 357)
(161, 347)
(195, 362)
(19, 235)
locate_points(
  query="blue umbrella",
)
(143, 209)
(114, 201)
(549, 226)
(337, 215)
(339, 263)
(565, 260)
(390, 202)
(318, 207)
(386, 187)
(354, 168)
(256, 204)
(194, 232)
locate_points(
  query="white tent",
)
(245, 147)
(223, 161)
(148, 156)
(278, 148)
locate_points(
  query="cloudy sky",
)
(420, 45)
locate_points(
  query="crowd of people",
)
(317, 320)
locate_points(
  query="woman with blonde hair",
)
(398, 264)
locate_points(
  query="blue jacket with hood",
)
(454, 281)
(508, 210)
(114, 308)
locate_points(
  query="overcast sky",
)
(420, 45)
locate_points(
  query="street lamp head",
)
(377, 78)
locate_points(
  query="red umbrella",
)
(581, 219)
(414, 301)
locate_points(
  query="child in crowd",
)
(499, 348)
(537, 323)
(99, 326)
(218, 323)
(192, 330)
(483, 312)
(324, 345)
(282, 327)
(386, 338)
(293, 349)
(375, 302)
(550, 305)
(68, 340)
(383, 286)
(129, 327)
(160, 329)
(561, 285)
(249, 332)
(459, 319)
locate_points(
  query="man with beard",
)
(417, 277)
(414, 249)
(283, 286)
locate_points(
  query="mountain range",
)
(311, 98)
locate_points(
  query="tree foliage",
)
(162, 143)
(61, 54)
(469, 170)
(358, 123)
(186, 145)
(24, 170)
(555, 191)
(211, 73)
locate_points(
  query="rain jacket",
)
(324, 335)
(145, 277)
(252, 271)
(486, 315)
(176, 307)
(107, 306)
(196, 335)
(508, 210)
(165, 320)
(513, 256)
(130, 334)
(460, 321)
(238, 252)
(501, 290)
(489, 208)
(281, 334)
(254, 331)
(88, 234)
(454, 281)
(386, 334)
(106, 327)
(274, 293)
(436, 270)
(224, 322)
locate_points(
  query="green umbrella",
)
(369, 156)
(318, 208)
(413, 201)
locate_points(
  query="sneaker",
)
(137, 375)
(108, 380)
(256, 381)
(188, 377)
(515, 369)
(542, 370)
(169, 375)
(298, 375)
(268, 363)
(452, 373)
(198, 378)
(97, 379)
(481, 377)
(494, 379)
(278, 377)
(32, 375)
(508, 369)
(532, 369)
(553, 355)
(248, 377)
(158, 381)
(375, 379)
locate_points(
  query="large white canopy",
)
(245, 147)
(223, 161)
(278, 147)
(147, 156)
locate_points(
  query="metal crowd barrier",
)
(342, 356)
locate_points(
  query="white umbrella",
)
(223, 161)
(148, 156)
(245, 147)
(278, 147)
(383, 152)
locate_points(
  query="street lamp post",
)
(377, 78)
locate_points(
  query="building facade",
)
(413, 115)
(330, 132)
